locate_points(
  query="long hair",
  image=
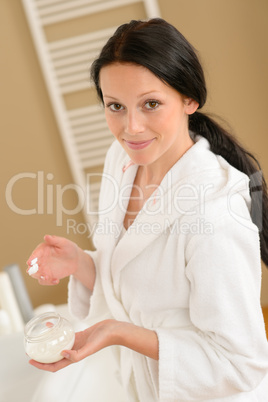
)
(161, 48)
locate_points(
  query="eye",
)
(151, 104)
(114, 107)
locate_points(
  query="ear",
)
(190, 105)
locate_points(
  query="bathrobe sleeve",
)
(226, 350)
(78, 295)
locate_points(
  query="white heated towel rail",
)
(65, 64)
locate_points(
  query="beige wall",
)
(231, 37)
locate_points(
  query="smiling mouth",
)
(138, 144)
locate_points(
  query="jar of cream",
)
(46, 336)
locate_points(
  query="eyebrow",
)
(140, 96)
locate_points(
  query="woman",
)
(179, 288)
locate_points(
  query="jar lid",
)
(42, 326)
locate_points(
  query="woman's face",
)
(147, 117)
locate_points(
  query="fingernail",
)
(66, 355)
(42, 277)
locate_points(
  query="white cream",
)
(50, 351)
(34, 268)
(34, 261)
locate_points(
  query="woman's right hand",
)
(57, 258)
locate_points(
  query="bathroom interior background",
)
(231, 37)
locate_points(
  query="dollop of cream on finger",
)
(34, 267)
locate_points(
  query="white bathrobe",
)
(187, 268)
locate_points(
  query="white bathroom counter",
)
(93, 379)
(18, 379)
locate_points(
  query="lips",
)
(138, 144)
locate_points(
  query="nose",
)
(134, 122)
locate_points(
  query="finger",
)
(37, 252)
(33, 259)
(33, 269)
(33, 265)
(55, 241)
(45, 280)
(52, 367)
(75, 356)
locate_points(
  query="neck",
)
(155, 172)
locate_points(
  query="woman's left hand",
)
(86, 343)
(99, 336)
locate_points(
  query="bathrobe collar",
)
(161, 209)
